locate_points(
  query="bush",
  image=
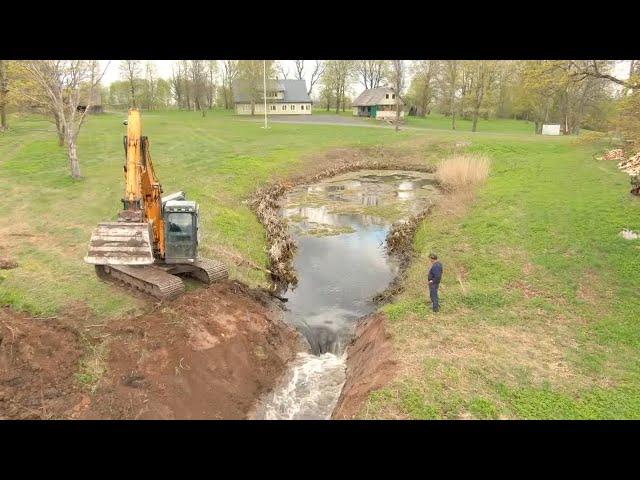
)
(462, 172)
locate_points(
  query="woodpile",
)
(7, 264)
(631, 165)
(615, 154)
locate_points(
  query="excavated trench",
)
(342, 242)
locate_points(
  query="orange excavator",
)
(155, 238)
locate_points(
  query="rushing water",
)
(340, 226)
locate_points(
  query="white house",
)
(284, 97)
(377, 103)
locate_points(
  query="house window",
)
(273, 107)
(284, 107)
(308, 107)
(293, 107)
(393, 95)
(387, 95)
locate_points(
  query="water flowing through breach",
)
(340, 226)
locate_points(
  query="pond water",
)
(340, 226)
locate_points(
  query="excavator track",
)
(209, 271)
(149, 279)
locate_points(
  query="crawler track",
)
(148, 279)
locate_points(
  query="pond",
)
(340, 226)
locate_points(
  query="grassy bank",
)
(540, 304)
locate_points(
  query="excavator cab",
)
(181, 231)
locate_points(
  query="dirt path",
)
(209, 354)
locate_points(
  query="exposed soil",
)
(370, 365)
(38, 362)
(209, 354)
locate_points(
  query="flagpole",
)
(264, 79)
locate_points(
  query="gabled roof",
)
(294, 91)
(373, 96)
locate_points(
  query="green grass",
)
(539, 299)
(540, 305)
(501, 125)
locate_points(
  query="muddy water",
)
(340, 226)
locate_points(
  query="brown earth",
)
(209, 354)
(38, 360)
(370, 365)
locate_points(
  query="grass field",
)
(539, 299)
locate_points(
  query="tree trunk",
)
(72, 153)
(60, 130)
(475, 120)
(253, 108)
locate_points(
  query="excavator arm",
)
(138, 235)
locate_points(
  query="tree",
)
(397, 68)
(423, 84)
(229, 74)
(212, 72)
(251, 72)
(4, 93)
(316, 74)
(337, 75)
(150, 85)
(299, 69)
(65, 83)
(199, 84)
(130, 71)
(482, 74)
(282, 71)
(371, 72)
(449, 80)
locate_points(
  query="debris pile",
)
(615, 154)
(631, 165)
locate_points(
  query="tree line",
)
(573, 93)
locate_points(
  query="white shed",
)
(551, 129)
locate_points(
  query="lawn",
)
(539, 300)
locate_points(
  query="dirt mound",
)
(209, 354)
(38, 360)
(370, 365)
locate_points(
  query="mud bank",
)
(266, 201)
(370, 365)
(207, 355)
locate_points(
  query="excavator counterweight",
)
(155, 238)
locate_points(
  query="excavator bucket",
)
(121, 243)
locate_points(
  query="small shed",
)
(550, 129)
(379, 103)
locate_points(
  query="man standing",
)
(435, 275)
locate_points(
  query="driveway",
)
(322, 119)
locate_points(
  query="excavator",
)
(155, 238)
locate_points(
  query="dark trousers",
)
(433, 294)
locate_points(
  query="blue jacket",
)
(435, 273)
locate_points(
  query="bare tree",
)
(282, 71)
(199, 84)
(450, 76)
(300, 69)
(65, 84)
(599, 69)
(398, 85)
(318, 71)
(150, 84)
(371, 72)
(130, 71)
(229, 74)
(212, 71)
(4, 91)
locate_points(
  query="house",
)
(284, 97)
(377, 103)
